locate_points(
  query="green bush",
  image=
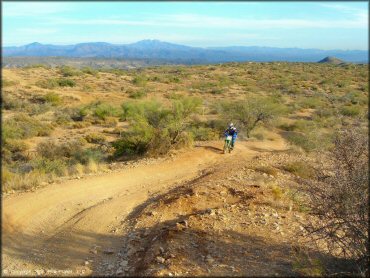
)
(89, 70)
(155, 129)
(301, 140)
(54, 83)
(350, 111)
(311, 102)
(66, 83)
(52, 98)
(85, 156)
(250, 112)
(68, 71)
(95, 138)
(137, 94)
(22, 126)
(50, 166)
(139, 80)
(10, 102)
(8, 83)
(300, 168)
(204, 133)
(104, 110)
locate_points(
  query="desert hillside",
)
(122, 172)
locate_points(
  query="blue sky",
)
(324, 25)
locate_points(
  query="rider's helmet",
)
(231, 125)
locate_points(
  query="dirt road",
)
(54, 229)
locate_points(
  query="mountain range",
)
(175, 53)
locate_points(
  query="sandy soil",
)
(54, 229)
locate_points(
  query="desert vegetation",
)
(67, 122)
(153, 110)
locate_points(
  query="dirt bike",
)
(227, 146)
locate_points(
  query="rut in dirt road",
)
(59, 227)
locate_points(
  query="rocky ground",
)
(243, 214)
(229, 221)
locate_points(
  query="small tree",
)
(155, 129)
(339, 197)
(250, 112)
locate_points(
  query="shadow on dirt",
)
(232, 253)
(211, 148)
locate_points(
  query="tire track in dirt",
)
(39, 231)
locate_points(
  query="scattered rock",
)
(108, 251)
(119, 271)
(39, 271)
(123, 263)
(160, 259)
(209, 259)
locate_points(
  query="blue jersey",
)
(232, 132)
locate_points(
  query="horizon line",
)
(204, 47)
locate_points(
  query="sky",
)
(323, 25)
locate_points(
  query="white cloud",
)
(33, 9)
(202, 21)
(35, 31)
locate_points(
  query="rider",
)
(232, 132)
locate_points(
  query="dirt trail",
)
(56, 227)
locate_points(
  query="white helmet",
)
(231, 125)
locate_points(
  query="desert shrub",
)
(90, 154)
(350, 111)
(47, 84)
(14, 150)
(66, 83)
(136, 94)
(95, 138)
(324, 112)
(76, 169)
(8, 83)
(22, 126)
(204, 133)
(301, 140)
(248, 113)
(67, 71)
(54, 166)
(306, 266)
(139, 80)
(266, 169)
(71, 152)
(52, 98)
(108, 122)
(300, 168)
(103, 110)
(339, 198)
(277, 192)
(311, 102)
(99, 110)
(9, 102)
(54, 83)
(52, 150)
(91, 167)
(15, 181)
(207, 87)
(89, 70)
(155, 129)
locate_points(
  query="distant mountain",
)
(175, 53)
(332, 60)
